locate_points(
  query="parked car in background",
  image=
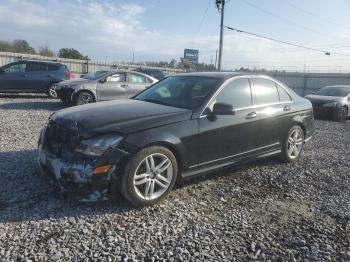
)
(156, 73)
(99, 72)
(33, 77)
(116, 84)
(331, 101)
(182, 126)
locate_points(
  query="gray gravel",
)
(263, 210)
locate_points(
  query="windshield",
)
(333, 91)
(95, 75)
(181, 91)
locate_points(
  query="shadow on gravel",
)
(28, 195)
(23, 95)
(51, 106)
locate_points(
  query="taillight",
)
(68, 75)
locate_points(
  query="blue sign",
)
(191, 55)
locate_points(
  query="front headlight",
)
(96, 146)
(332, 104)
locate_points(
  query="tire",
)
(293, 145)
(135, 183)
(340, 114)
(51, 92)
(83, 98)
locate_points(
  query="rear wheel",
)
(340, 114)
(293, 144)
(51, 91)
(149, 176)
(83, 98)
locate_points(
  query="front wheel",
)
(293, 145)
(149, 176)
(51, 91)
(83, 98)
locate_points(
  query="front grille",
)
(59, 138)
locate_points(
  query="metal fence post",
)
(305, 84)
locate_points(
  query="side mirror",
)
(2, 70)
(103, 80)
(223, 109)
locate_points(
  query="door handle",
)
(123, 86)
(251, 115)
(50, 75)
(287, 108)
(24, 75)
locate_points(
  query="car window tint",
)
(136, 78)
(120, 77)
(52, 67)
(236, 93)
(266, 91)
(15, 68)
(284, 96)
(36, 67)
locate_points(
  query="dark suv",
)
(32, 76)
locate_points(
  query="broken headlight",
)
(96, 146)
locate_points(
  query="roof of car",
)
(346, 86)
(214, 74)
(40, 61)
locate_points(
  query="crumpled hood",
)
(74, 82)
(121, 116)
(324, 99)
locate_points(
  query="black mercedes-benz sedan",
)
(331, 101)
(182, 126)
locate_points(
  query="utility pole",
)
(216, 57)
(220, 4)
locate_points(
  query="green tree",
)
(22, 46)
(45, 51)
(71, 53)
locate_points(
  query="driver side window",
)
(16, 68)
(236, 92)
(120, 77)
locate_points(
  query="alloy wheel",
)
(153, 176)
(52, 91)
(85, 99)
(295, 143)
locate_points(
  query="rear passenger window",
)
(137, 79)
(52, 67)
(284, 96)
(236, 93)
(35, 67)
(266, 91)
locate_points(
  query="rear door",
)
(223, 138)
(14, 78)
(275, 106)
(137, 83)
(38, 77)
(113, 87)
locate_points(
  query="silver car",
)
(111, 85)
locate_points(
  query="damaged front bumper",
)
(77, 175)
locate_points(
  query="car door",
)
(38, 77)
(112, 87)
(276, 116)
(137, 83)
(223, 138)
(14, 77)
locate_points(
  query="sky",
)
(159, 30)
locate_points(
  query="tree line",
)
(23, 47)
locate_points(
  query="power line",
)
(284, 42)
(203, 17)
(314, 15)
(285, 19)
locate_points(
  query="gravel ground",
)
(264, 210)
